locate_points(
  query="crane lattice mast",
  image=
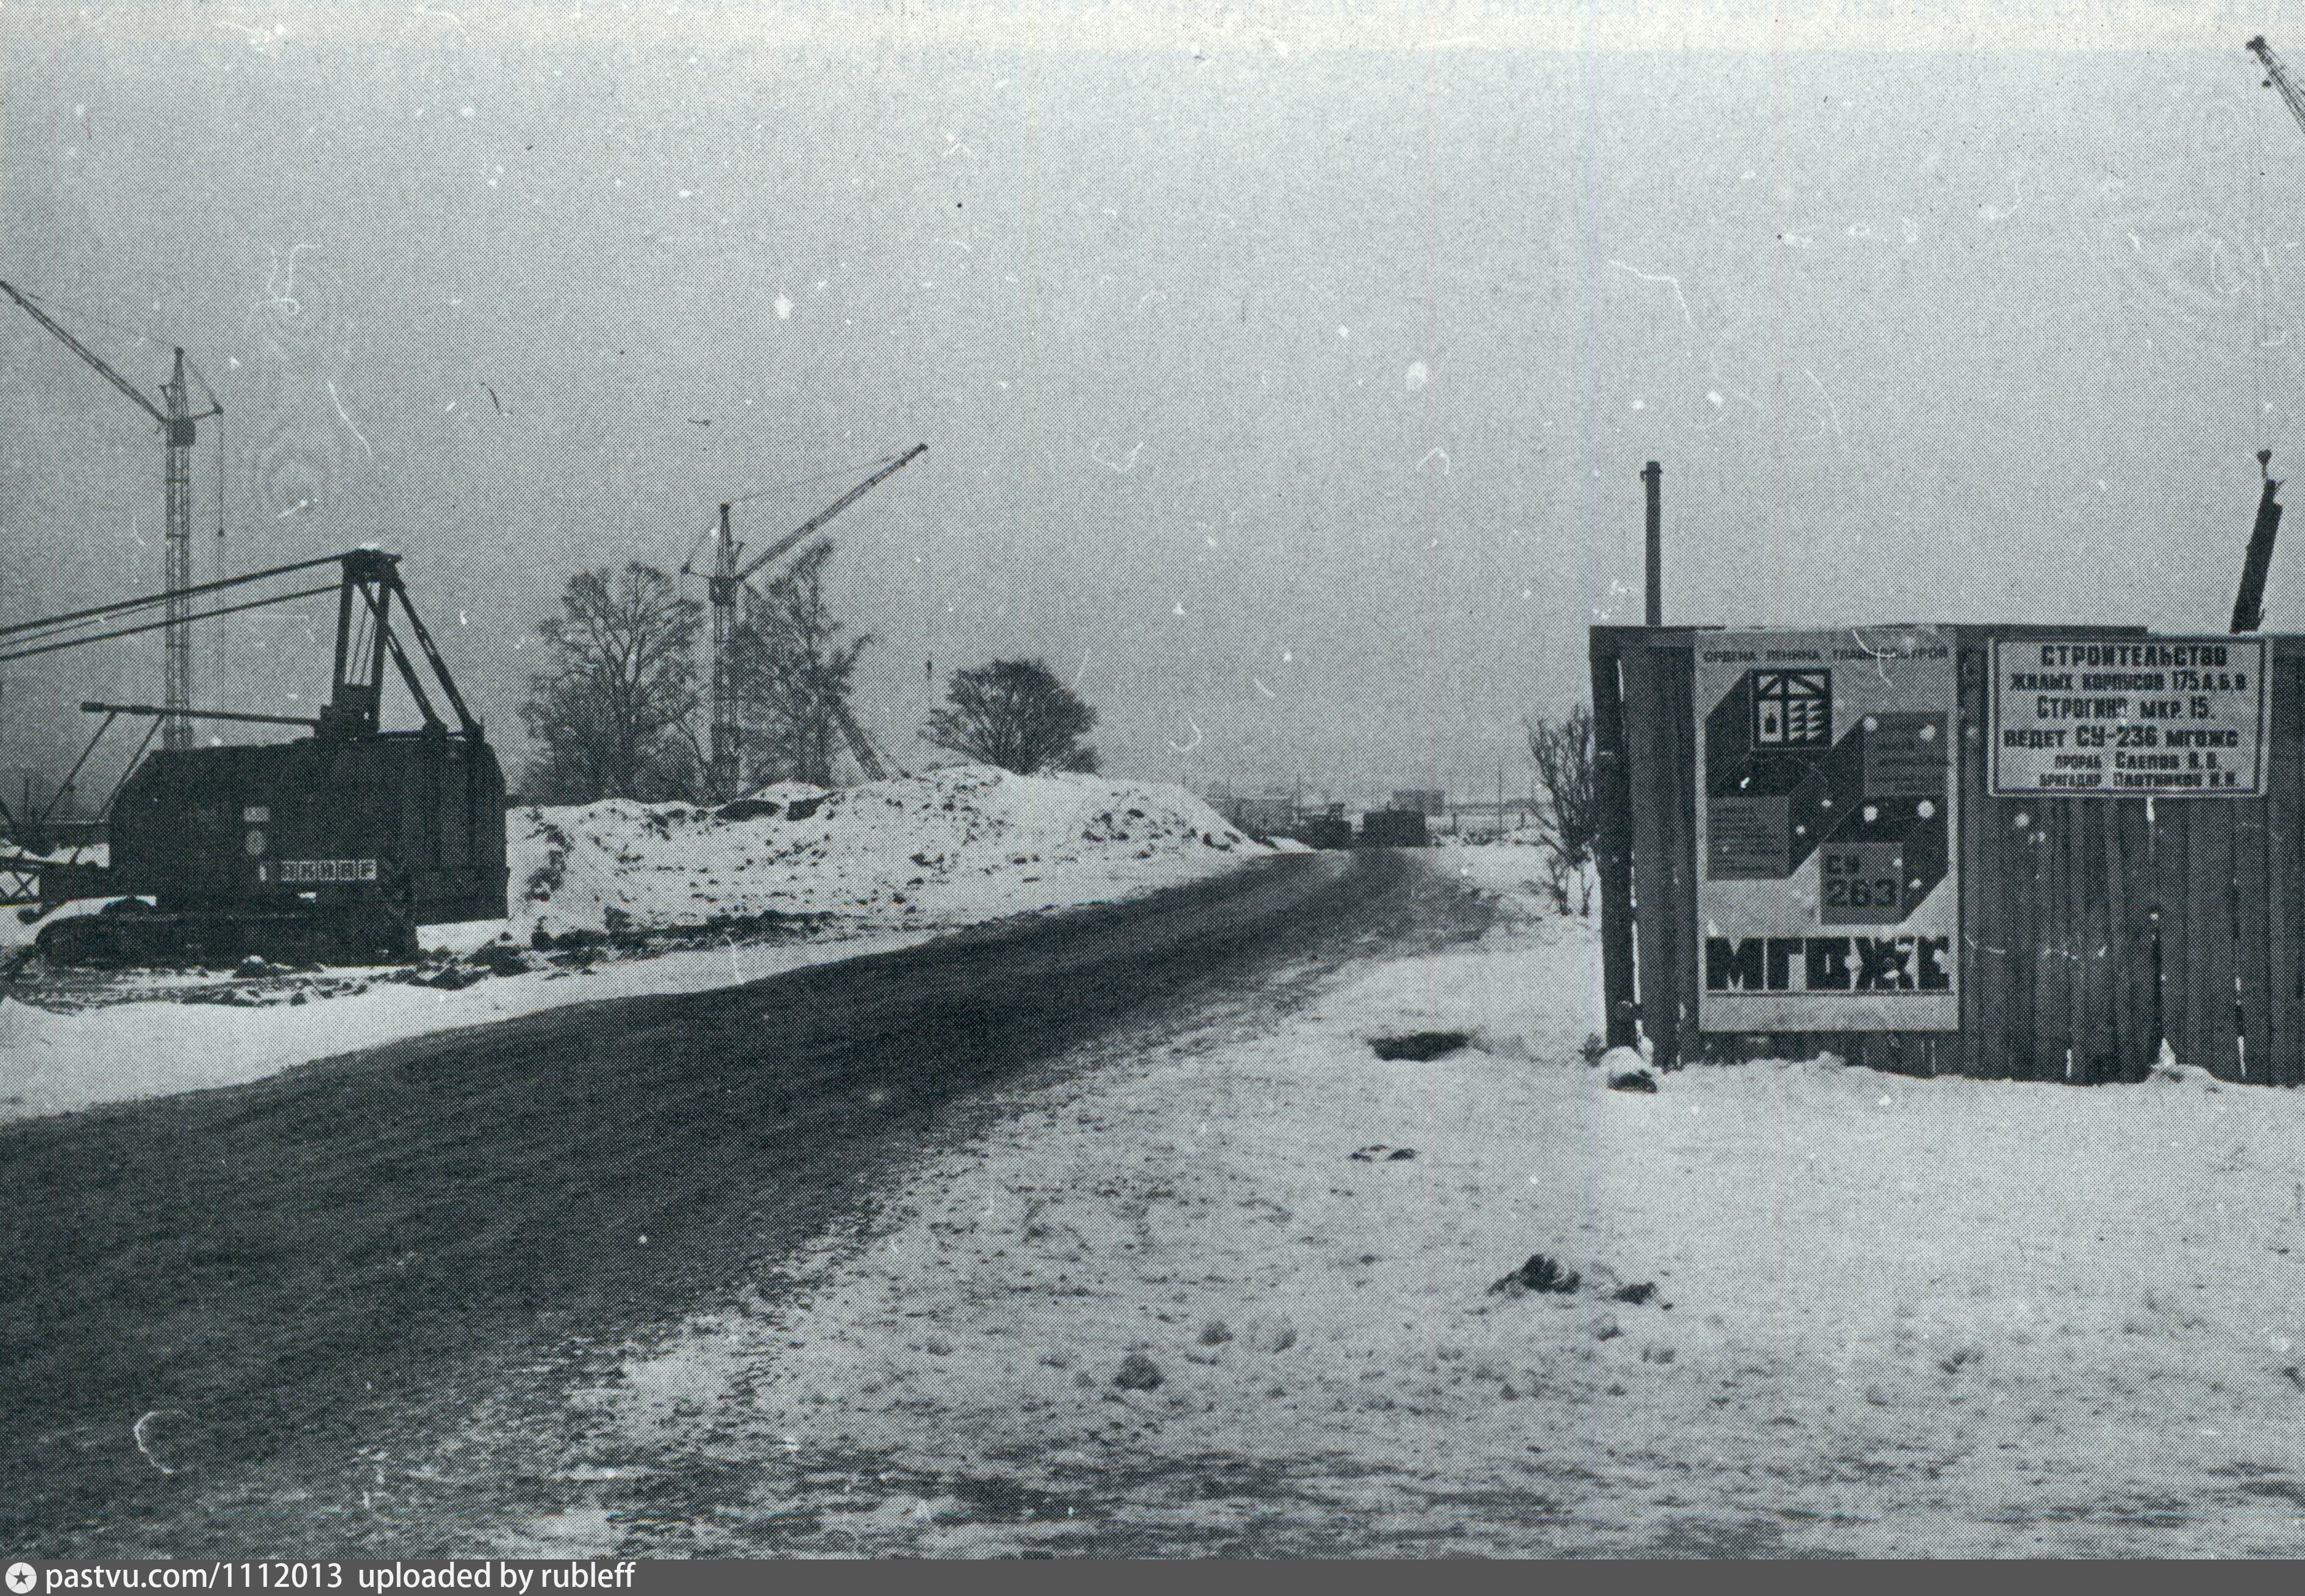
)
(176, 684)
(177, 431)
(725, 735)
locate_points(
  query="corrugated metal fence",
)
(2091, 928)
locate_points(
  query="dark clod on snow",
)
(498, 958)
(1137, 1374)
(1419, 1045)
(1540, 1273)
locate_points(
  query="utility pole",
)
(1653, 475)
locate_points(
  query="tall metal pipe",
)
(1652, 476)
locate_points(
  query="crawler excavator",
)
(333, 847)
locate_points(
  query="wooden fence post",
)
(1612, 847)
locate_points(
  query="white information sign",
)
(2082, 717)
(1826, 891)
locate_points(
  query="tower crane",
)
(176, 421)
(728, 577)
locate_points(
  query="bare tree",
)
(794, 675)
(612, 717)
(1014, 713)
(1568, 821)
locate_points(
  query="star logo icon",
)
(21, 1578)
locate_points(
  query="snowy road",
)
(280, 1276)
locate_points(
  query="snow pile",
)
(954, 846)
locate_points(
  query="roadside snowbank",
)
(888, 865)
(58, 1062)
(952, 847)
(1888, 1316)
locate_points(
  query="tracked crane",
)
(727, 580)
(177, 423)
(337, 845)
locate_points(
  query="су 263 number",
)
(1848, 886)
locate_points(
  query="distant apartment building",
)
(1260, 814)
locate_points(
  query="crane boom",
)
(793, 539)
(2249, 604)
(859, 746)
(2276, 76)
(177, 433)
(95, 362)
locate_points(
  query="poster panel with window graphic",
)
(1825, 830)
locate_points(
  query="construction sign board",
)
(1826, 896)
(2077, 716)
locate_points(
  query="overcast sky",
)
(1285, 381)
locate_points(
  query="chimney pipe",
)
(1653, 475)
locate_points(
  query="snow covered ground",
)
(1165, 1307)
(56, 1063)
(872, 867)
